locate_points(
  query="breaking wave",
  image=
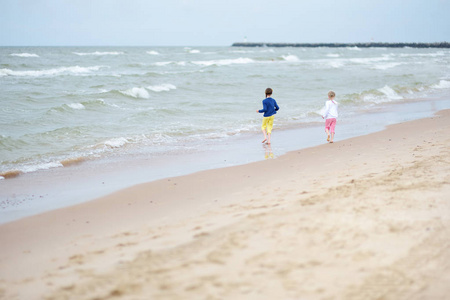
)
(97, 53)
(136, 92)
(77, 70)
(162, 87)
(224, 62)
(24, 54)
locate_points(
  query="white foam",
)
(241, 51)
(25, 54)
(43, 166)
(386, 66)
(162, 87)
(369, 60)
(1, 177)
(290, 58)
(194, 51)
(353, 48)
(97, 53)
(336, 64)
(76, 106)
(390, 93)
(49, 72)
(153, 52)
(137, 92)
(443, 84)
(436, 54)
(117, 142)
(224, 62)
(165, 63)
(333, 55)
(4, 72)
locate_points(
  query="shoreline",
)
(328, 220)
(37, 192)
(34, 193)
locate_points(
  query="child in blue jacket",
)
(270, 108)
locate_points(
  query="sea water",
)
(64, 105)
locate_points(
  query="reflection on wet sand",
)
(268, 151)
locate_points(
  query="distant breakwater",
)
(341, 45)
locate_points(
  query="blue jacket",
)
(270, 107)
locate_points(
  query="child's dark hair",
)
(269, 92)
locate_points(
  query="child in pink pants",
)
(330, 115)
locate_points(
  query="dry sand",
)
(364, 218)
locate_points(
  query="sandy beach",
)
(363, 218)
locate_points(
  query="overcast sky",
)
(219, 22)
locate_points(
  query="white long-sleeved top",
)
(331, 109)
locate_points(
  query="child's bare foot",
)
(264, 141)
(328, 138)
(331, 141)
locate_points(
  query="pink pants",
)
(330, 124)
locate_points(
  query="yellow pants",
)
(268, 123)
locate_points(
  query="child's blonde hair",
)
(331, 94)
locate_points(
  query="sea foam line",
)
(224, 62)
(49, 72)
(97, 53)
(290, 58)
(24, 54)
(141, 92)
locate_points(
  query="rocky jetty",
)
(340, 45)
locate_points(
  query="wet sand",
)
(363, 218)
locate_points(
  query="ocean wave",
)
(165, 63)
(136, 92)
(369, 60)
(390, 93)
(224, 62)
(385, 94)
(381, 63)
(40, 166)
(436, 54)
(24, 54)
(194, 51)
(116, 142)
(353, 48)
(290, 58)
(97, 53)
(242, 51)
(377, 96)
(336, 64)
(386, 66)
(76, 106)
(443, 84)
(50, 72)
(152, 52)
(332, 55)
(162, 87)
